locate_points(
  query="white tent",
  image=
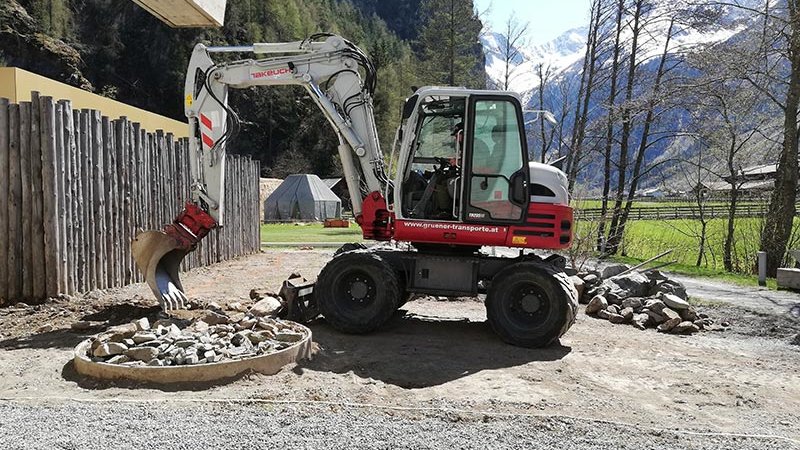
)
(302, 197)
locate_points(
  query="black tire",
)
(531, 305)
(357, 292)
(349, 247)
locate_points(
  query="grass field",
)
(312, 232)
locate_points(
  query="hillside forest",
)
(648, 101)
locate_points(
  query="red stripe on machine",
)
(206, 121)
(207, 140)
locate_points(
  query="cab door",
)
(496, 169)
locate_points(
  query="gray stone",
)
(689, 314)
(144, 337)
(214, 318)
(670, 287)
(669, 324)
(597, 303)
(208, 355)
(120, 332)
(655, 275)
(640, 320)
(119, 359)
(633, 302)
(268, 306)
(184, 343)
(289, 336)
(192, 359)
(156, 363)
(685, 327)
(590, 279)
(627, 314)
(145, 354)
(632, 284)
(612, 270)
(236, 318)
(654, 304)
(110, 349)
(613, 309)
(670, 314)
(248, 323)
(603, 314)
(616, 318)
(674, 302)
(654, 316)
(579, 287)
(257, 338)
(142, 324)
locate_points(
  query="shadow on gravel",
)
(69, 373)
(413, 351)
(62, 338)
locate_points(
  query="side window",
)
(497, 158)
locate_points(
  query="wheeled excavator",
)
(462, 181)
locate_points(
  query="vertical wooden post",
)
(49, 183)
(37, 247)
(4, 200)
(62, 189)
(27, 205)
(125, 190)
(69, 194)
(109, 261)
(99, 199)
(14, 207)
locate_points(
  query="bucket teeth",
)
(158, 256)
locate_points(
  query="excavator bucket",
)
(159, 257)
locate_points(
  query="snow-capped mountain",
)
(564, 55)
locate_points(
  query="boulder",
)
(268, 306)
(655, 317)
(633, 302)
(640, 320)
(670, 287)
(597, 303)
(674, 302)
(110, 349)
(142, 324)
(289, 336)
(670, 314)
(144, 354)
(616, 318)
(141, 337)
(590, 279)
(214, 318)
(685, 327)
(603, 314)
(613, 309)
(654, 304)
(655, 275)
(689, 314)
(627, 314)
(119, 332)
(612, 270)
(579, 286)
(668, 325)
(632, 284)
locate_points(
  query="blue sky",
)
(548, 18)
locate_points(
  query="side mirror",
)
(408, 107)
(518, 188)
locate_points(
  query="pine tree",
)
(448, 44)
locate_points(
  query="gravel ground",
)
(214, 425)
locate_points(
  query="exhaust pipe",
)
(158, 254)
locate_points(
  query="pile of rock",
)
(215, 337)
(644, 300)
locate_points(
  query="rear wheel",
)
(357, 291)
(531, 305)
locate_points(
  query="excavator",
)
(462, 183)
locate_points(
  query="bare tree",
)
(515, 36)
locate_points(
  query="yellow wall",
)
(17, 84)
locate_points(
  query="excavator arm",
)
(331, 71)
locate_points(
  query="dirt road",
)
(440, 356)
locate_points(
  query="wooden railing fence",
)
(75, 187)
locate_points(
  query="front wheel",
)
(531, 305)
(357, 291)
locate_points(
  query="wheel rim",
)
(528, 306)
(356, 290)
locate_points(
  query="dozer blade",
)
(159, 257)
